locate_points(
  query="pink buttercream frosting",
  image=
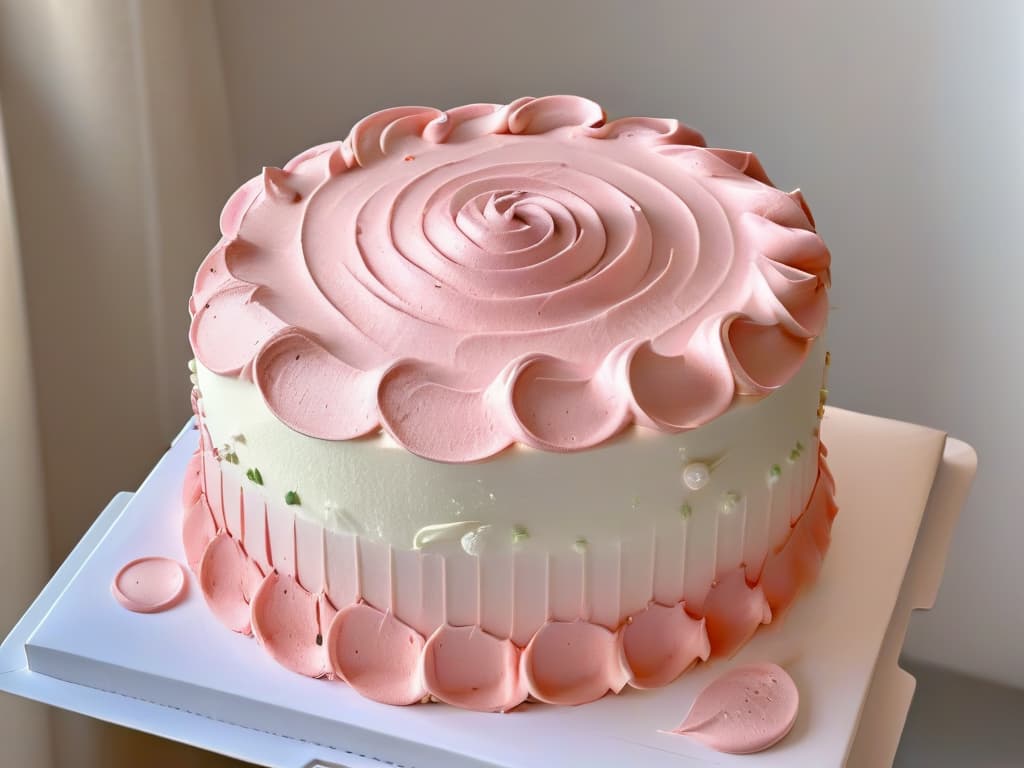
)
(746, 710)
(660, 643)
(286, 620)
(529, 273)
(573, 662)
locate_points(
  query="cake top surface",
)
(496, 274)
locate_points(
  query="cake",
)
(507, 402)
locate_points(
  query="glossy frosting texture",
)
(528, 273)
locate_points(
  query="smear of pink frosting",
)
(746, 710)
(376, 654)
(149, 584)
(470, 668)
(541, 275)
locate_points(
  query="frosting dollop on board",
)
(150, 584)
(746, 710)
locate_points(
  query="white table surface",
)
(90, 656)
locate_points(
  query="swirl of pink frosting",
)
(528, 273)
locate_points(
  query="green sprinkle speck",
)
(794, 455)
(231, 456)
(292, 498)
(799, 446)
(685, 510)
(580, 545)
(519, 534)
(775, 471)
(254, 475)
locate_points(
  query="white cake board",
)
(181, 675)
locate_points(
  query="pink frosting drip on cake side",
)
(534, 273)
(565, 662)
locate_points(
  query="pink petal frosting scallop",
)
(228, 578)
(473, 669)
(648, 130)
(305, 385)
(744, 162)
(409, 389)
(572, 662)
(660, 643)
(746, 710)
(238, 205)
(376, 654)
(657, 380)
(505, 263)
(211, 277)
(764, 357)
(733, 611)
(285, 621)
(550, 112)
(230, 327)
(556, 405)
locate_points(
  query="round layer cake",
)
(508, 401)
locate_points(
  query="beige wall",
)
(112, 210)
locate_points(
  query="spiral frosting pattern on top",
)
(495, 274)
